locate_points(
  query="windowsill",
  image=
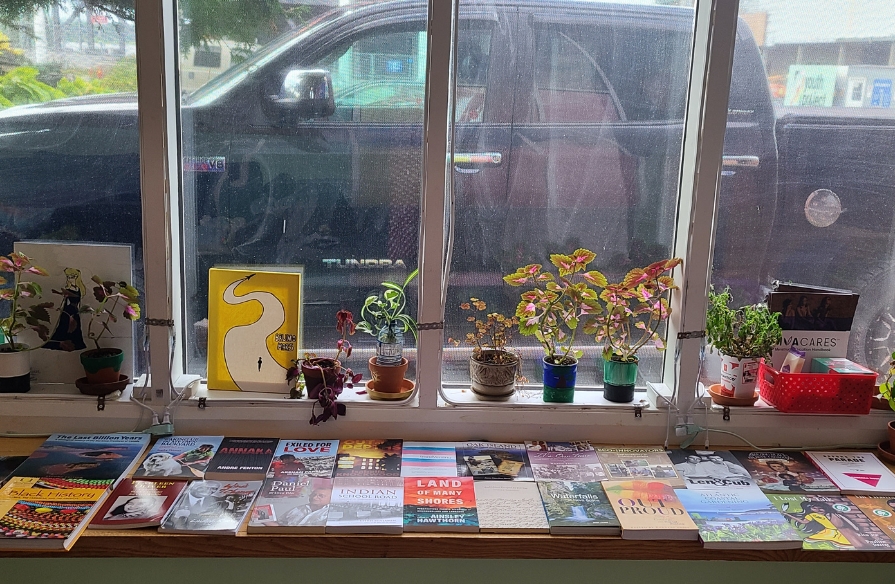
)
(65, 391)
(456, 395)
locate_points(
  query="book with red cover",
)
(137, 503)
(440, 504)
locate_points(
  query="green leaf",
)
(411, 276)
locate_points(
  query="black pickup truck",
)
(568, 131)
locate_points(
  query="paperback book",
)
(510, 507)
(42, 525)
(638, 463)
(429, 459)
(304, 458)
(85, 456)
(856, 473)
(785, 472)
(581, 508)
(366, 505)
(493, 461)
(55, 489)
(211, 507)
(440, 504)
(650, 510)
(369, 458)
(710, 469)
(134, 504)
(8, 464)
(563, 461)
(242, 459)
(294, 504)
(880, 510)
(831, 522)
(738, 519)
(178, 458)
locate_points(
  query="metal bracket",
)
(430, 326)
(202, 403)
(691, 335)
(726, 414)
(638, 411)
(165, 322)
(100, 403)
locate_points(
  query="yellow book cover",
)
(880, 510)
(254, 326)
(650, 510)
(54, 489)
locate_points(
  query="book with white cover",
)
(510, 507)
(855, 473)
(366, 505)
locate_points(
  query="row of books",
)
(203, 484)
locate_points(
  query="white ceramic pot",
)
(15, 372)
(739, 376)
(492, 380)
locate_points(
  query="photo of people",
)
(135, 507)
(784, 472)
(709, 467)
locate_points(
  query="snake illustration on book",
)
(246, 353)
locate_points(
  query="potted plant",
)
(384, 318)
(102, 365)
(554, 310)
(493, 369)
(742, 336)
(635, 309)
(886, 393)
(15, 362)
(325, 378)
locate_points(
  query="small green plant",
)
(558, 306)
(748, 331)
(885, 388)
(109, 296)
(385, 311)
(491, 336)
(37, 316)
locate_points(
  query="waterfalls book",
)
(578, 508)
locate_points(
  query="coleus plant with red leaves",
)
(36, 317)
(109, 297)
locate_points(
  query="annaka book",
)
(493, 461)
(42, 525)
(242, 459)
(856, 473)
(650, 510)
(738, 519)
(440, 504)
(369, 458)
(178, 458)
(85, 456)
(831, 522)
(429, 459)
(294, 504)
(785, 472)
(880, 510)
(564, 461)
(135, 504)
(578, 508)
(710, 469)
(510, 507)
(304, 458)
(9, 463)
(621, 463)
(55, 489)
(211, 507)
(366, 505)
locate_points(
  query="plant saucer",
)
(726, 400)
(489, 397)
(406, 390)
(100, 389)
(884, 451)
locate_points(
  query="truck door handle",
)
(477, 160)
(741, 161)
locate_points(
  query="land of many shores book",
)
(428, 459)
(574, 507)
(564, 461)
(178, 458)
(366, 505)
(85, 456)
(785, 472)
(440, 504)
(211, 507)
(304, 458)
(738, 519)
(855, 473)
(510, 507)
(650, 510)
(638, 463)
(369, 458)
(292, 504)
(493, 461)
(242, 459)
(135, 504)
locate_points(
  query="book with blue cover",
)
(85, 456)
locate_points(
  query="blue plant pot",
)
(559, 382)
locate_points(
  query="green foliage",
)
(20, 86)
(885, 387)
(748, 331)
(106, 293)
(386, 310)
(35, 317)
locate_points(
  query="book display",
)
(855, 473)
(369, 458)
(510, 507)
(207, 507)
(650, 510)
(304, 458)
(297, 504)
(137, 503)
(564, 461)
(366, 505)
(440, 504)
(178, 458)
(785, 472)
(242, 459)
(710, 469)
(638, 463)
(578, 508)
(493, 461)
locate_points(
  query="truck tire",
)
(873, 330)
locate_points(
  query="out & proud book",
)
(650, 510)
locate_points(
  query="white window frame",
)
(426, 415)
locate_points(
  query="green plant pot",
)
(102, 365)
(619, 379)
(559, 382)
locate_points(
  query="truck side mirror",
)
(307, 94)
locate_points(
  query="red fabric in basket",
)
(820, 393)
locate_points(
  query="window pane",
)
(69, 148)
(580, 146)
(805, 192)
(266, 184)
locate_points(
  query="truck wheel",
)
(873, 330)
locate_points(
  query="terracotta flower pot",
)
(891, 429)
(314, 370)
(387, 378)
(102, 365)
